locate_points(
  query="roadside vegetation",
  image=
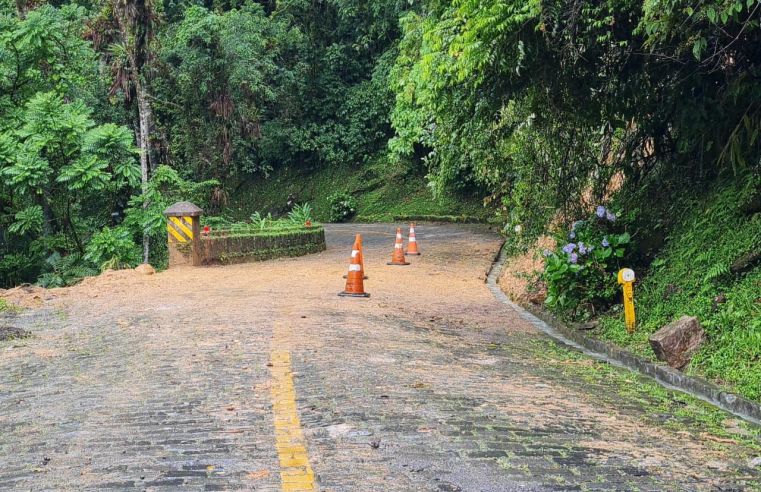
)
(709, 269)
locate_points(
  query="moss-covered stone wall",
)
(243, 248)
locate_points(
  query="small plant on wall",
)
(301, 214)
(343, 206)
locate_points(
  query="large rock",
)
(677, 343)
(746, 262)
(145, 269)
(753, 204)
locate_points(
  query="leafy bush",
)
(16, 268)
(581, 275)
(112, 247)
(343, 206)
(301, 214)
(215, 222)
(65, 270)
(259, 221)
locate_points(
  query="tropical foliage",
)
(543, 101)
(542, 108)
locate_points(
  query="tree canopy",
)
(537, 105)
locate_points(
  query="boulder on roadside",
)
(753, 204)
(746, 262)
(145, 269)
(677, 342)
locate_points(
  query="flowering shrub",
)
(342, 206)
(581, 276)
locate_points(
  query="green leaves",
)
(77, 154)
(113, 146)
(27, 221)
(581, 274)
(86, 172)
(699, 47)
(60, 172)
(110, 243)
(29, 174)
(301, 214)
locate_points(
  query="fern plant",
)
(716, 272)
(66, 270)
(260, 222)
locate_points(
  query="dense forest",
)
(112, 109)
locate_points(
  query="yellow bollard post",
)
(184, 234)
(626, 278)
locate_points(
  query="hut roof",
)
(183, 209)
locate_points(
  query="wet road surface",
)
(259, 377)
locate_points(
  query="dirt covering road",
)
(259, 377)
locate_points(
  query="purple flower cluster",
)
(568, 248)
(584, 249)
(602, 212)
(546, 253)
(605, 242)
(574, 258)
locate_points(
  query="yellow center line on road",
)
(295, 472)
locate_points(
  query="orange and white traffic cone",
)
(398, 258)
(361, 258)
(412, 243)
(354, 285)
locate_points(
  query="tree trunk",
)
(144, 115)
(135, 20)
(48, 216)
(21, 9)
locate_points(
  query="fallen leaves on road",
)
(709, 437)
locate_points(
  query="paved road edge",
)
(597, 349)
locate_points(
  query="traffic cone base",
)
(392, 263)
(349, 294)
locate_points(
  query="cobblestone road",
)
(258, 377)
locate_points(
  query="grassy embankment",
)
(382, 193)
(692, 275)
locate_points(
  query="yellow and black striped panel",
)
(180, 229)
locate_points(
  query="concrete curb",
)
(597, 349)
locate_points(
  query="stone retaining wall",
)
(243, 248)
